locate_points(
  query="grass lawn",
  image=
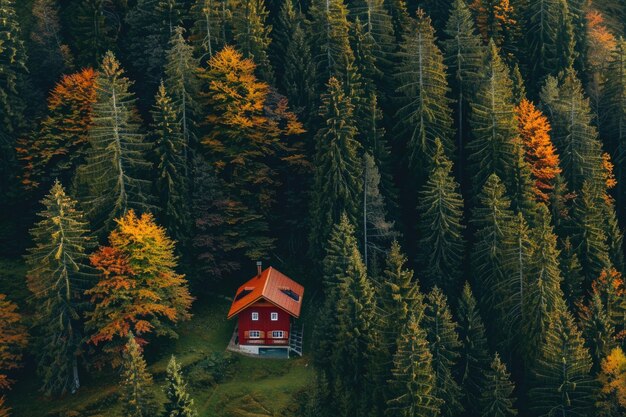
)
(250, 387)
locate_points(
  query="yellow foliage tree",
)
(13, 339)
(613, 381)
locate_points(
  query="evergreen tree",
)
(496, 399)
(474, 360)
(181, 82)
(113, 176)
(412, 387)
(178, 403)
(561, 380)
(440, 210)
(597, 329)
(337, 178)
(495, 20)
(438, 10)
(424, 114)
(463, 54)
(493, 123)
(56, 277)
(378, 27)
(571, 272)
(171, 181)
(252, 34)
(578, 12)
(212, 26)
(444, 348)
(549, 38)
(519, 86)
(137, 399)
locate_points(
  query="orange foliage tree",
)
(61, 142)
(613, 383)
(4, 411)
(612, 290)
(495, 19)
(139, 290)
(534, 131)
(13, 339)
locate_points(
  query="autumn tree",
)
(338, 174)
(57, 277)
(246, 140)
(496, 20)
(613, 385)
(179, 403)
(112, 180)
(137, 399)
(13, 339)
(61, 144)
(497, 398)
(534, 132)
(138, 290)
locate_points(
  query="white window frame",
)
(274, 316)
(278, 332)
(254, 334)
(255, 316)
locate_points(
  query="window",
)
(274, 316)
(255, 316)
(290, 293)
(254, 334)
(278, 334)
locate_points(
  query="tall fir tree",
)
(57, 277)
(135, 383)
(424, 113)
(378, 27)
(463, 55)
(179, 403)
(440, 211)
(337, 177)
(597, 330)
(497, 398)
(252, 34)
(212, 27)
(171, 182)
(561, 380)
(494, 128)
(474, 360)
(444, 348)
(113, 178)
(412, 386)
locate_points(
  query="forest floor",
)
(222, 384)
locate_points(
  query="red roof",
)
(272, 286)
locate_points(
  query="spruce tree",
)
(172, 186)
(377, 25)
(112, 180)
(597, 329)
(212, 26)
(92, 26)
(57, 277)
(412, 386)
(493, 123)
(444, 348)
(561, 380)
(137, 399)
(463, 54)
(178, 403)
(440, 211)
(338, 174)
(496, 399)
(252, 34)
(474, 360)
(424, 113)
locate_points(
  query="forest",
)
(447, 178)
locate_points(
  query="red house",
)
(266, 307)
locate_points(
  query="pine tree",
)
(597, 329)
(474, 360)
(171, 181)
(61, 144)
(534, 130)
(573, 133)
(493, 123)
(113, 176)
(496, 399)
(444, 348)
(412, 387)
(138, 289)
(463, 54)
(137, 399)
(181, 82)
(549, 38)
(424, 114)
(212, 26)
(337, 177)
(178, 403)
(440, 210)
(561, 380)
(252, 34)
(57, 278)
(13, 339)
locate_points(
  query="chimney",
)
(259, 267)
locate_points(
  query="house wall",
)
(265, 325)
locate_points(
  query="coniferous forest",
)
(447, 178)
